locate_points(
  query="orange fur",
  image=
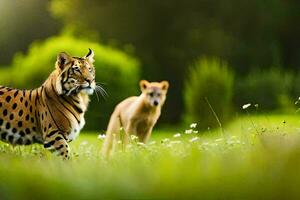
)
(52, 114)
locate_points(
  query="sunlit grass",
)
(255, 157)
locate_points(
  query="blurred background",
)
(217, 55)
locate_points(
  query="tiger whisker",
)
(102, 91)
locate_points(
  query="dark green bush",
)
(211, 79)
(270, 89)
(118, 71)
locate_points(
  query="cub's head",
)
(75, 75)
(154, 92)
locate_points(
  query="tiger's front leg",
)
(55, 141)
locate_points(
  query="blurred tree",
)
(169, 35)
(22, 22)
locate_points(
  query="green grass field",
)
(255, 157)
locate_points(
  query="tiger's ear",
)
(143, 85)
(90, 56)
(62, 59)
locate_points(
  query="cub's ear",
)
(62, 59)
(164, 85)
(143, 85)
(90, 56)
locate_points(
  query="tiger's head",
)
(75, 74)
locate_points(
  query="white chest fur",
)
(76, 127)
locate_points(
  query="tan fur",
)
(52, 114)
(137, 115)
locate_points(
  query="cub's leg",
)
(56, 141)
(129, 130)
(112, 135)
(145, 136)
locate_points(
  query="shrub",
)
(295, 92)
(269, 89)
(118, 71)
(211, 79)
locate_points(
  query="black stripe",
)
(49, 144)
(52, 133)
(52, 115)
(58, 138)
(57, 109)
(30, 92)
(78, 121)
(59, 147)
(75, 100)
(60, 133)
(79, 110)
(16, 93)
(36, 97)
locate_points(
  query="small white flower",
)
(177, 135)
(84, 143)
(189, 131)
(152, 142)
(141, 144)
(166, 140)
(194, 139)
(133, 137)
(246, 106)
(195, 131)
(101, 136)
(193, 125)
(175, 142)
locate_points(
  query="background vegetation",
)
(168, 37)
(242, 56)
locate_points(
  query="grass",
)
(258, 157)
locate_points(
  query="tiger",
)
(52, 114)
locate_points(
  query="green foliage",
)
(295, 92)
(118, 72)
(167, 35)
(244, 164)
(211, 79)
(270, 89)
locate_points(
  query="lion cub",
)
(137, 115)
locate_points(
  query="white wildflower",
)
(166, 140)
(219, 140)
(84, 143)
(152, 142)
(246, 106)
(193, 125)
(141, 144)
(133, 137)
(189, 131)
(101, 136)
(175, 142)
(194, 139)
(195, 131)
(177, 135)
